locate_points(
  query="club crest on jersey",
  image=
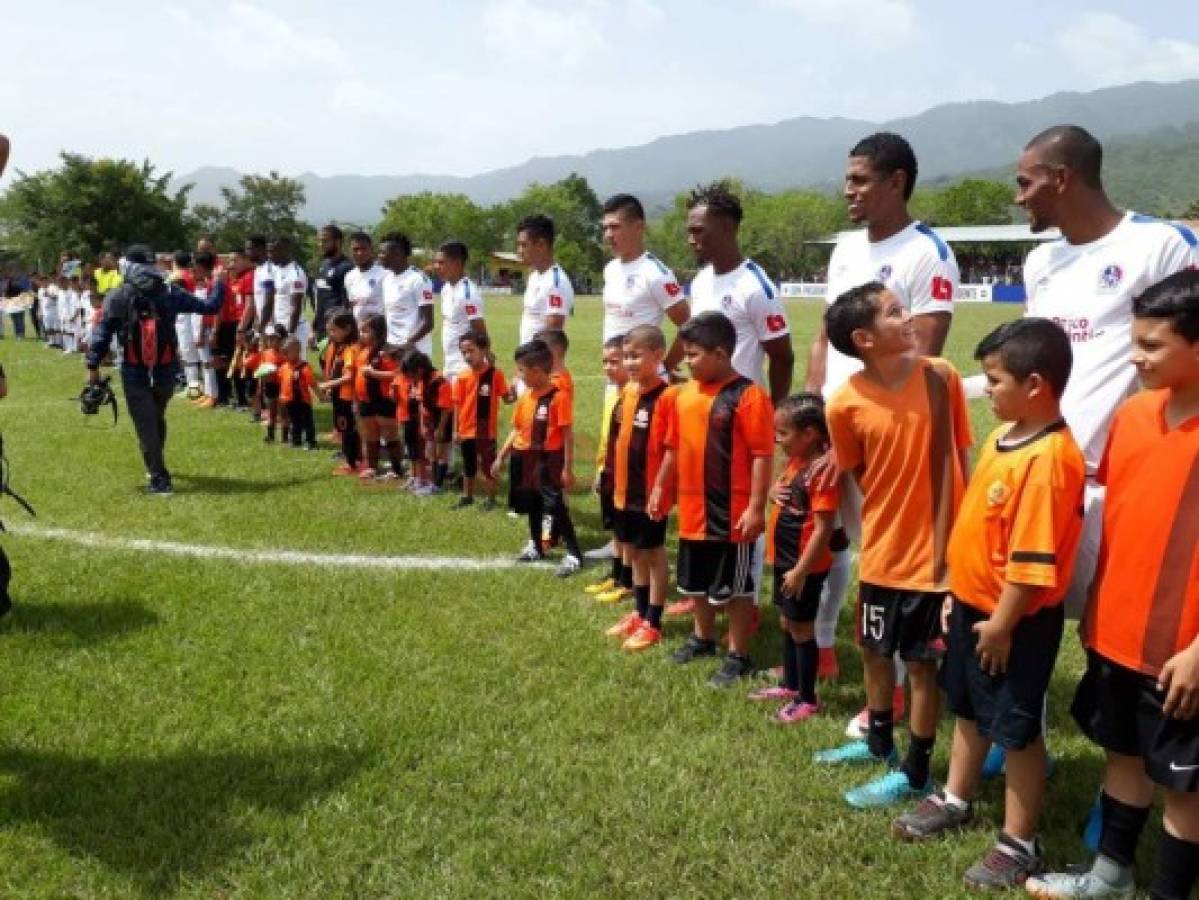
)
(543, 412)
(726, 301)
(884, 272)
(997, 493)
(370, 282)
(484, 390)
(630, 282)
(1110, 277)
(641, 420)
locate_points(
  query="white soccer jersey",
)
(915, 265)
(752, 303)
(264, 281)
(364, 289)
(547, 293)
(1088, 289)
(461, 304)
(637, 293)
(404, 293)
(290, 281)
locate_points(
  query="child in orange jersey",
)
(719, 444)
(296, 384)
(798, 536)
(430, 392)
(901, 428)
(477, 393)
(560, 377)
(267, 374)
(337, 370)
(542, 456)
(1139, 698)
(1011, 557)
(374, 377)
(645, 406)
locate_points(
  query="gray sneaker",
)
(931, 817)
(1007, 866)
(1103, 879)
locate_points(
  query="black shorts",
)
(226, 340)
(414, 444)
(377, 409)
(477, 454)
(435, 425)
(801, 609)
(1121, 710)
(638, 529)
(892, 620)
(1008, 709)
(718, 570)
(270, 389)
(607, 511)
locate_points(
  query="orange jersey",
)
(789, 526)
(296, 382)
(903, 445)
(250, 362)
(1146, 604)
(640, 444)
(368, 389)
(429, 399)
(336, 362)
(1020, 520)
(477, 397)
(716, 431)
(274, 358)
(565, 383)
(538, 419)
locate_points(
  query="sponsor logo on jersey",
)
(641, 420)
(428, 295)
(775, 323)
(471, 309)
(543, 412)
(942, 288)
(1110, 277)
(884, 272)
(1079, 328)
(556, 301)
(672, 288)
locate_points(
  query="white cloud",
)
(530, 30)
(249, 37)
(1112, 50)
(872, 21)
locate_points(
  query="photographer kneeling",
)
(141, 313)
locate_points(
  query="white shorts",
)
(184, 328)
(1087, 559)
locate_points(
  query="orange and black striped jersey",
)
(477, 397)
(539, 418)
(336, 362)
(369, 390)
(296, 382)
(640, 444)
(904, 448)
(789, 525)
(1146, 603)
(1020, 520)
(717, 431)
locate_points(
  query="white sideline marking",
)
(282, 557)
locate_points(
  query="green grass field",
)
(230, 728)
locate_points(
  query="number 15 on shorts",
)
(873, 621)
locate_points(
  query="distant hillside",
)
(806, 152)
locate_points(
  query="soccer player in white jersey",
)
(549, 296)
(291, 290)
(730, 284)
(461, 304)
(918, 267)
(638, 288)
(261, 312)
(364, 282)
(407, 296)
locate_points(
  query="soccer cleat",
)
(530, 554)
(828, 669)
(159, 487)
(693, 648)
(684, 607)
(1007, 866)
(626, 627)
(930, 818)
(855, 753)
(427, 489)
(618, 593)
(796, 711)
(773, 692)
(464, 503)
(387, 476)
(859, 725)
(605, 552)
(600, 587)
(569, 566)
(734, 668)
(367, 474)
(1084, 883)
(886, 790)
(645, 637)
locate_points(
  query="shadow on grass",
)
(79, 623)
(216, 484)
(161, 821)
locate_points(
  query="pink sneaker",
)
(775, 692)
(796, 711)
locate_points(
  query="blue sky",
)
(378, 87)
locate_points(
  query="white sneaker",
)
(428, 489)
(605, 552)
(569, 565)
(531, 553)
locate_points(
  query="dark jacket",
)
(147, 283)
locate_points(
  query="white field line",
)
(254, 557)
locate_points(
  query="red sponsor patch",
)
(472, 310)
(776, 323)
(942, 288)
(672, 288)
(428, 295)
(556, 301)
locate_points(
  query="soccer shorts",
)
(270, 389)
(381, 408)
(1121, 711)
(638, 529)
(226, 340)
(1007, 709)
(892, 620)
(802, 609)
(718, 570)
(607, 511)
(477, 454)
